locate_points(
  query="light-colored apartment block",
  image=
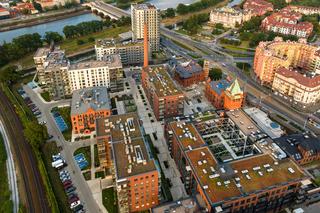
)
(149, 14)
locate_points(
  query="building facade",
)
(257, 7)
(224, 94)
(136, 175)
(287, 22)
(88, 105)
(191, 73)
(142, 14)
(131, 53)
(164, 97)
(60, 78)
(228, 16)
(303, 88)
(256, 183)
(270, 56)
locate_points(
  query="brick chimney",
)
(145, 46)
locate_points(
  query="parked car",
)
(70, 189)
(74, 204)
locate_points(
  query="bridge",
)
(106, 10)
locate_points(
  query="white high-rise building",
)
(146, 14)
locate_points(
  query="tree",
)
(37, 6)
(170, 12)
(10, 75)
(219, 26)
(52, 37)
(201, 62)
(36, 134)
(80, 42)
(215, 74)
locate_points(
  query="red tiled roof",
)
(300, 78)
(258, 7)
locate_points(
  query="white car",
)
(74, 204)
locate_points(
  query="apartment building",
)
(301, 87)
(136, 175)
(191, 72)
(131, 53)
(302, 148)
(60, 77)
(148, 14)
(229, 16)
(258, 7)
(165, 98)
(106, 73)
(305, 10)
(87, 105)
(287, 22)
(218, 162)
(224, 94)
(271, 55)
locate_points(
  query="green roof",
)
(234, 88)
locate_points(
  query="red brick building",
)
(191, 73)
(258, 7)
(87, 105)
(303, 148)
(224, 94)
(252, 184)
(136, 175)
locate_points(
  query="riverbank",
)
(42, 18)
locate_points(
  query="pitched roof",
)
(234, 88)
(220, 86)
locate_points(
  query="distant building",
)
(224, 171)
(228, 16)
(287, 22)
(258, 7)
(51, 3)
(305, 10)
(130, 52)
(148, 14)
(4, 13)
(292, 69)
(189, 73)
(224, 94)
(60, 77)
(25, 6)
(303, 148)
(136, 174)
(88, 105)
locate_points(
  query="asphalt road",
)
(34, 191)
(270, 101)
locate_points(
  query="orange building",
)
(136, 175)
(87, 105)
(191, 73)
(224, 94)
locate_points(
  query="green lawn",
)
(109, 199)
(48, 149)
(71, 46)
(100, 174)
(46, 96)
(65, 113)
(87, 154)
(87, 175)
(6, 204)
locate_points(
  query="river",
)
(57, 26)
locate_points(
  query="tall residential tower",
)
(142, 14)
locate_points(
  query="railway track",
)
(36, 200)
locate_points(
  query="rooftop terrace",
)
(187, 134)
(242, 120)
(112, 61)
(164, 85)
(239, 177)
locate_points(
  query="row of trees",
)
(19, 47)
(193, 24)
(200, 5)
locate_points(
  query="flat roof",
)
(279, 175)
(143, 6)
(132, 158)
(43, 51)
(182, 206)
(163, 84)
(96, 98)
(242, 120)
(110, 61)
(204, 171)
(104, 43)
(240, 177)
(187, 134)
